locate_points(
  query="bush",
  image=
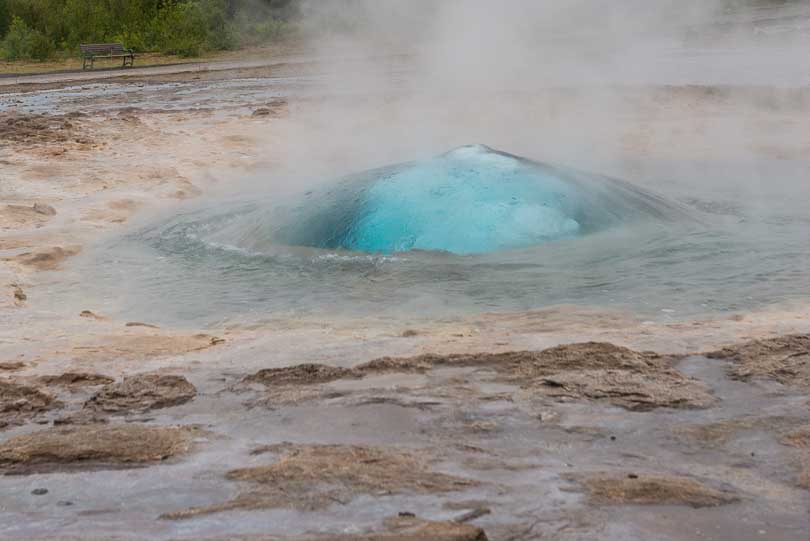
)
(24, 43)
(35, 29)
(189, 28)
(257, 32)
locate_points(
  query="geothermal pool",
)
(468, 231)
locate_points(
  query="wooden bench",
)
(91, 51)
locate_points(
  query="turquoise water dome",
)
(470, 200)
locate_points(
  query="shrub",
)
(24, 43)
(34, 29)
(189, 28)
(253, 32)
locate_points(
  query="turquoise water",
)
(471, 200)
(470, 231)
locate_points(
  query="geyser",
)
(470, 200)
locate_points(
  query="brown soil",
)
(653, 490)
(804, 475)
(785, 359)
(140, 346)
(596, 371)
(411, 529)
(399, 529)
(93, 447)
(312, 477)
(14, 216)
(721, 432)
(44, 258)
(75, 380)
(20, 403)
(115, 212)
(415, 530)
(137, 394)
(276, 108)
(37, 129)
(800, 438)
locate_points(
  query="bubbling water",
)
(468, 231)
(470, 200)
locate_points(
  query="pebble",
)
(39, 491)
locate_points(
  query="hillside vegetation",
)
(45, 29)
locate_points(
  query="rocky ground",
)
(563, 423)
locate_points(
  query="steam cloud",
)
(596, 84)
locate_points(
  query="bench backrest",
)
(102, 48)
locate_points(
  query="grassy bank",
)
(74, 63)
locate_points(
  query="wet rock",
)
(19, 295)
(44, 258)
(93, 447)
(11, 366)
(426, 362)
(21, 403)
(140, 393)
(82, 417)
(75, 380)
(590, 355)
(302, 374)
(638, 489)
(472, 515)
(785, 359)
(45, 210)
(22, 215)
(591, 370)
(628, 389)
(312, 477)
(139, 324)
(275, 108)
